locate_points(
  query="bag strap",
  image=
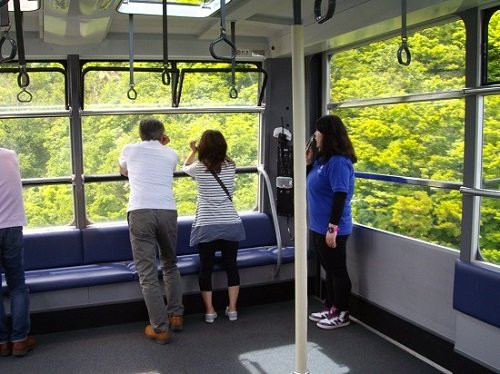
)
(222, 185)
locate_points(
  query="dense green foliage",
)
(422, 140)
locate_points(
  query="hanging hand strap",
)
(23, 79)
(329, 12)
(222, 185)
(233, 92)
(404, 44)
(4, 33)
(132, 93)
(165, 75)
(222, 37)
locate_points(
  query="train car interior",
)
(417, 84)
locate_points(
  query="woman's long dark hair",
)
(212, 150)
(335, 139)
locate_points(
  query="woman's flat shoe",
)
(233, 316)
(210, 317)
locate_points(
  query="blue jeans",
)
(12, 262)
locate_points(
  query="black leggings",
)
(229, 250)
(333, 260)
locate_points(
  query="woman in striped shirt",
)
(216, 226)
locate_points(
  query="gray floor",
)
(261, 341)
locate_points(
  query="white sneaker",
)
(210, 317)
(233, 316)
(335, 321)
(325, 313)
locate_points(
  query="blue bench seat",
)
(65, 258)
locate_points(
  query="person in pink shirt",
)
(14, 337)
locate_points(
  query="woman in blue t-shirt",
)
(330, 186)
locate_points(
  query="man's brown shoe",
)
(176, 322)
(6, 349)
(20, 349)
(159, 337)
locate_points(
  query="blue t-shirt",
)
(336, 175)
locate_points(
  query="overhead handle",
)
(165, 74)
(222, 37)
(131, 93)
(4, 34)
(404, 54)
(233, 92)
(329, 12)
(23, 79)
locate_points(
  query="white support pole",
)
(299, 172)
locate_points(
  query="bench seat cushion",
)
(77, 276)
(109, 243)
(477, 292)
(249, 257)
(52, 248)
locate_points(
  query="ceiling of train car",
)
(262, 24)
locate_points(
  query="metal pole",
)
(76, 140)
(299, 172)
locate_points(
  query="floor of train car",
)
(260, 341)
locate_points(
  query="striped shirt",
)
(216, 217)
(213, 205)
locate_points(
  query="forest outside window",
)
(492, 44)
(438, 64)
(105, 136)
(422, 140)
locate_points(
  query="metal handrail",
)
(480, 192)
(170, 110)
(415, 98)
(274, 215)
(409, 180)
(39, 114)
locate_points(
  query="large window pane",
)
(489, 243)
(491, 142)
(438, 63)
(47, 88)
(424, 213)
(42, 145)
(489, 240)
(104, 137)
(420, 140)
(212, 89)
(104, 89)
(49, 205)
(43, 149)
(493, 69)
(108, 201)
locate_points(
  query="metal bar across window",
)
(409, 180)
(92, 178)
(170, 110)
(29, 182)
(38, 114)
(415, 98)
(480, 192)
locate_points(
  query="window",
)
(438, 63)
(408, 137)
(47, 87)
(492, 44)
(42, 144)
(104, 136)
(489, 243)
(418, 140)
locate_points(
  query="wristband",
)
(333, 229)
